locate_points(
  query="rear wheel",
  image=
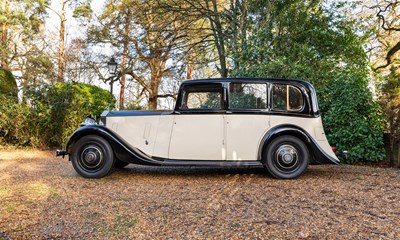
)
(286, 157)
(92, 157)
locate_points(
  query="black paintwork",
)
(127, 153)
(128, 113)
(122, 149)
(319, 155)
(306, 88)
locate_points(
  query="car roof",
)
(241, 80)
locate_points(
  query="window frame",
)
(200, 87)
(301, 90)
(267, 104)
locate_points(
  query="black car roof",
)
(222, 80)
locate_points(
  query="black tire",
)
(286, 157)
(120, 164)
(92, 157)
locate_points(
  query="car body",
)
(273, 123)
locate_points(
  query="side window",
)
(248, 96)
(201, 97)
(286, 98)
(203, 100)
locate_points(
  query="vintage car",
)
(271, 123)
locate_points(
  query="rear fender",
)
(319, 155)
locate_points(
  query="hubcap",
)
(286, 157)
(91, 158)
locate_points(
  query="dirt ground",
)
(42, 197)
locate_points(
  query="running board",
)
(210, 163)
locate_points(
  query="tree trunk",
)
(216, 27)
(190, 67)
(4, 30)
(124, 61)
(153, 93)
(398, 154)
(61, 49)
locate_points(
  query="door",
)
(197, 137)
(198, 129)
(247, 120)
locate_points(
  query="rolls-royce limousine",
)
(271, 123)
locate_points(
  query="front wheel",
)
(92, 157)
(286, 157)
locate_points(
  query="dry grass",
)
(42, 197)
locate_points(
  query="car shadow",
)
(328, 172)
(189, 171)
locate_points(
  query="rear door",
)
(247, 119)
(198, 129)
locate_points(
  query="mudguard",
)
(319, 155)
(122, 150)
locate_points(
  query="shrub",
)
(50, 114)
(353, 120)
(8, 85)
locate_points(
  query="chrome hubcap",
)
(91, 158)
(286, 157)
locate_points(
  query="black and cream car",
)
(216, 122)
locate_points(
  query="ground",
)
(42, 197)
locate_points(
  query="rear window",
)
(287, 98)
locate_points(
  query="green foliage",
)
(241, 100)
(53, 113)
(83, 11)
(8, 85)
(307, 40)
(389, 87)
(352, 119)
(38, 67)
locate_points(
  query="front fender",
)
(122, 150)
(320, 156)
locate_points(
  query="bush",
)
(50, 114)
(8, 85)
(353, 120)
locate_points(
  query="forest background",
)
(50, 80)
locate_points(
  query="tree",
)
(61, 46)
(20, 21)
(147, 36)
(387, 33)
(309, 40)
(389, 87)
(211, 18)
(81, 9)
(385, 49)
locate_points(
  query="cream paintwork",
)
(140, 131)
(198, 137)
(312, 126)
(243, 135)
(208, 136)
